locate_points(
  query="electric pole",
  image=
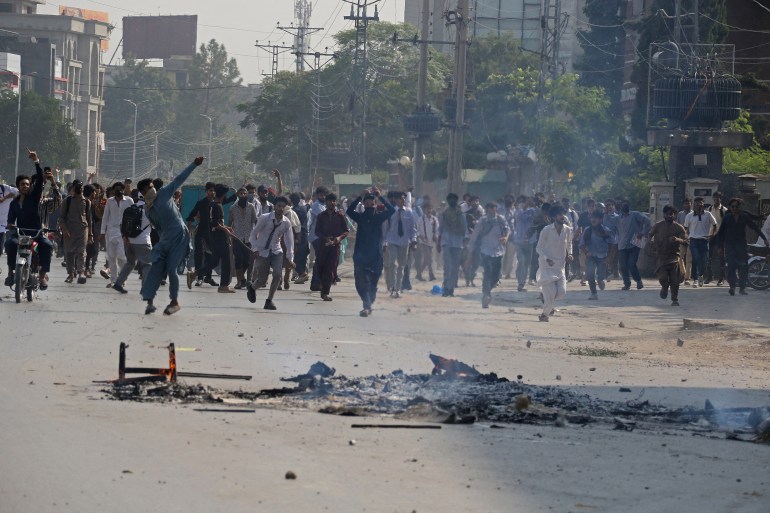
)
(418, 159)
(302, 30)
(275, 50)
(358, 14)
(552, 25)
(461, 19)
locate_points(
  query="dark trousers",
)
(669, 276)
(301, 252)
(716, 267)
(534, 263)
(315, 280)
(700, 252)
(366, 280)
(737, 262)
(451, 268)
(627, 259)
(202, 240)
(220, 255)
(491, 266)
(44, 251)
(242, 254)
(523, 259)
(326, 260)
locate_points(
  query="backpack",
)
(131, 224)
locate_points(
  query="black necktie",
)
(270, 237)
(400, 225)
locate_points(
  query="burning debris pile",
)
(458, 393)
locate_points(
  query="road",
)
(65, 446)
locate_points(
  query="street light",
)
(18, 126)
(133, 155)
(208, 168)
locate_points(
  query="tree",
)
(603, 44)
(146, 86)
(213, 79)
(283, 114)
(41, 129)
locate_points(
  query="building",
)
(61, 57)
(522, 18)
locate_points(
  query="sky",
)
(237, 24)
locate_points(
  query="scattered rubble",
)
(459, 396)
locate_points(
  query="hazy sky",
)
(238, 24)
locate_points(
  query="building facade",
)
(61, 57)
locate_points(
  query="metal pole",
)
(18, 126)
(418, 160)
(208, 168)
(133, 153)
(454, 178)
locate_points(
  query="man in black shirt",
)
(24, 214)
(202, 241)
(219, 241)
(732, 235)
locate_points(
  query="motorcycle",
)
(27, 263)
(759, 270)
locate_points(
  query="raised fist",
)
(199, 160)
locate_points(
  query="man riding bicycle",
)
(24, 213)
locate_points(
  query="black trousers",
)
(220, 255)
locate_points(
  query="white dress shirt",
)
(113, 216)
(260, 236)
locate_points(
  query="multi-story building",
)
(521, 18)
(61, 57)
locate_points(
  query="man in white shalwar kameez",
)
(555, 251)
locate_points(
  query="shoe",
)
(686, 282)
(163, 282)
(485, 301)
(325, 297)
(521, 288)
(120, 288)
(639, 285)
(583, 283)
(396, 294)
(171, 309)
(251, 294)
(364, 313)
(302, 278)
(88, 274)
(105, 273)
(286, 284)
(238, 286)
(190, 279)
(432, 278)
(445, 294)
(731, 291)
(43, 283)
(542, 318)
(594, 296)
(664, 293)
(63, 263)
(743, 292)
(719, 283)
(700, 282)
(337, 279)
(315, 288)
(150, 309)
(695, 285)
(225, 290)
(602, 285)
(269, 305)
(418, 277)
(69, 279)
(280, 287)
(82, 280)
(198, 282)
(674, 302)
(211, 282)
(626, 287)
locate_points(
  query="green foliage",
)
(603, 46)
(283, 113)
(41, 129)
(146, 86)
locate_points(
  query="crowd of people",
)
(276, 242)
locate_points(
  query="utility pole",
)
(552, 25)
(460, 18)
(133, 153)
(275, 50)
(302, 30)
(208, 167)
(418, 159)
(358, 14)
